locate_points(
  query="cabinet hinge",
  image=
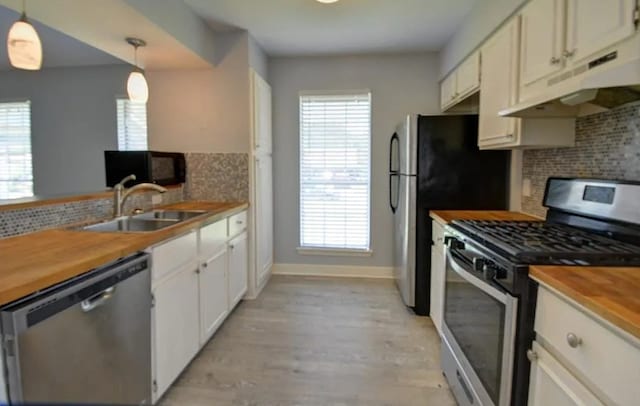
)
(153, 301)
(155, 386)
(636, 15)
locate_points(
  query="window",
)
(132, 125)
(335, 144)
(16, 172)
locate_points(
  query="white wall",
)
(399, 84)
(73, 120)
(485, 17)
(204, 110)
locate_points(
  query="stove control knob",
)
(479, 264)
(489, 271)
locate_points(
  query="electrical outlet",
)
(156, 199)
(526, 187)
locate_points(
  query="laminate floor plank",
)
(318, 341)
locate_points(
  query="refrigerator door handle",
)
(394, 138)
(392, 204)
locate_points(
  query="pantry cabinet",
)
(593, 25)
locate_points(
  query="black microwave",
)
(161, 168)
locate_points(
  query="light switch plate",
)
(526, 187)
(156, 199)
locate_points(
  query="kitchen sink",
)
(144, 222)
(173, 215)
(130, 224)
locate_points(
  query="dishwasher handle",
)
(97, 300)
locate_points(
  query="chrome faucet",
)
(120, 194)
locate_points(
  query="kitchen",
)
(270, 284)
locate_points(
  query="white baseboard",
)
(343, 271)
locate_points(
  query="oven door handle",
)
(484, 286)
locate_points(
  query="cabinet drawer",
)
(173, 254)
(609, 362)
(237, 223)
(212, 237)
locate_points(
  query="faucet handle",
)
(125, 180)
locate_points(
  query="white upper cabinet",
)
(593, 25)
(468, 76)
(463, 82)
(542, 40)
(499, 86)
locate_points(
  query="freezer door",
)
(405, 239)
(407, 133)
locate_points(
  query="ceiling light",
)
(137, 87)
(327, 1)
(23, 44)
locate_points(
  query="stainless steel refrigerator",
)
(435, 164)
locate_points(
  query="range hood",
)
(600, 84)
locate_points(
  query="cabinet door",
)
(4, 399)
(542, 40)
(468, 76)
(264, 216)
(238, 269)
(214, 302)
(593, 25)
(437, 285)
(447, 90)
(552, 384)
(176, 325)
(261, 114)
(499, 86)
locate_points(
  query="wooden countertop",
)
(36, 261)
(447, 216)
(611, 293)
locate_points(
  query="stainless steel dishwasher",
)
(87, 340)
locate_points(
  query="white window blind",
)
(335, 143)
(132, 125)
(16, 172)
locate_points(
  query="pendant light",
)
(137, 87)
(23, 44)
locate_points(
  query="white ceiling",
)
(59, 50)
(307, 27)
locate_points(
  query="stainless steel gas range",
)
(489, 299)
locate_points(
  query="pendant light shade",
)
(24, 46)
(137, 87)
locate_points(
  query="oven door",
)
(479, 327)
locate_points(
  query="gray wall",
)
(257, 58)
(399, 84)
(73, 120)
(485, 17)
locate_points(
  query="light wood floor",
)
(318, 341)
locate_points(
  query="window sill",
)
(333, 252)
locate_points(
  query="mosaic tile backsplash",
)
(22, 221)
(217, 177)
(607, 146)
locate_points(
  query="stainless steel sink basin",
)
(174, 215)
(129, 224)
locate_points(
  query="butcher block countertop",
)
(447, 216)
(32, 262)
(611, 293)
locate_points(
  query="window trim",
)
(336, 252)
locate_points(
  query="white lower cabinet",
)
(3, 385)
(238, 269)
(214, 302)
(176, 326)
(552, 384)
(437, 276)
(193, 299)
